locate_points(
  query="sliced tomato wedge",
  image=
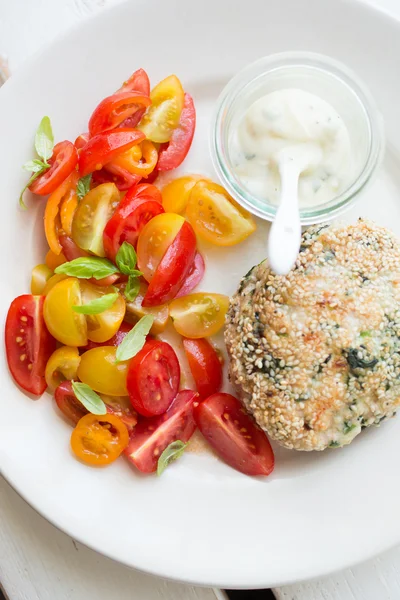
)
(113, 110)
(144, 189)
(115, 174)
(204, 365)
(62, 162)
(194, 276)
(181, 139)
(173, 269)
(152, 436)
(137, 82)
(153, 378)
(68, 403)
(128, 221)
(28, 343)
(234, 436)
(102, 148)
(62, 200)
(81, 140)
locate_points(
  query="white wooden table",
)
(38, 562)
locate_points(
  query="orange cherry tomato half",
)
(181, 138)
(155, 239)
(199, 315)
(205, 366)
(113, 110)
(62, 162)
(60, 206)
(99, 440)
(153, 378)
(173, 268)
(151, 436)
(53, 260)
(29, 345)
(103, 147)
(144, 164)
(216, 217)
(175, 195)
(234, 436)
(127, 222)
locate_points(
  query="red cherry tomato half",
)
(127, 222)
(153, 378)
(114, 341)
(194, 277)
(137, 82)
(81, 141)
(113, 110)
(102, 148)
(151, 436)
(173, 268)
(144, 189)
(204, 365)
(28, 343)
(115, 174)
(68, 403)
(62, 162)
(234, 436)
(181, 140)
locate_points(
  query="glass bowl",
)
(319, 75)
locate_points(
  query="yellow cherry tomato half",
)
(103, 326)
(144, 165)
(162, 117)
(199, 315)
(135, 311)
(175, 195)
(99, 439)
(51, 282)
(40, 276)
(91, 216)
(63, 364)
(67, 326)
(53, 260)
(98, 369)
(216, 217)
(154, 240)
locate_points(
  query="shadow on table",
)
(250, 595)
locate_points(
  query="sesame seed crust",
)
(315, 355)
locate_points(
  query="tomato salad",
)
(122, 265)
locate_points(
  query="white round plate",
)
(202, 521)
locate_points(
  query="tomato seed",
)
(22, 357)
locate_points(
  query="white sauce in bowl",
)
(280, 121)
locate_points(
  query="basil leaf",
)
(171, 452)
(83, 186)
(87, 267)
(44, 139)
(134, 341)
(97, 306)
(34, 166)
(90, 400)
(132, 288)
(31, 180)
(126, 258)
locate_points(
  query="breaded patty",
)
(315, 355)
